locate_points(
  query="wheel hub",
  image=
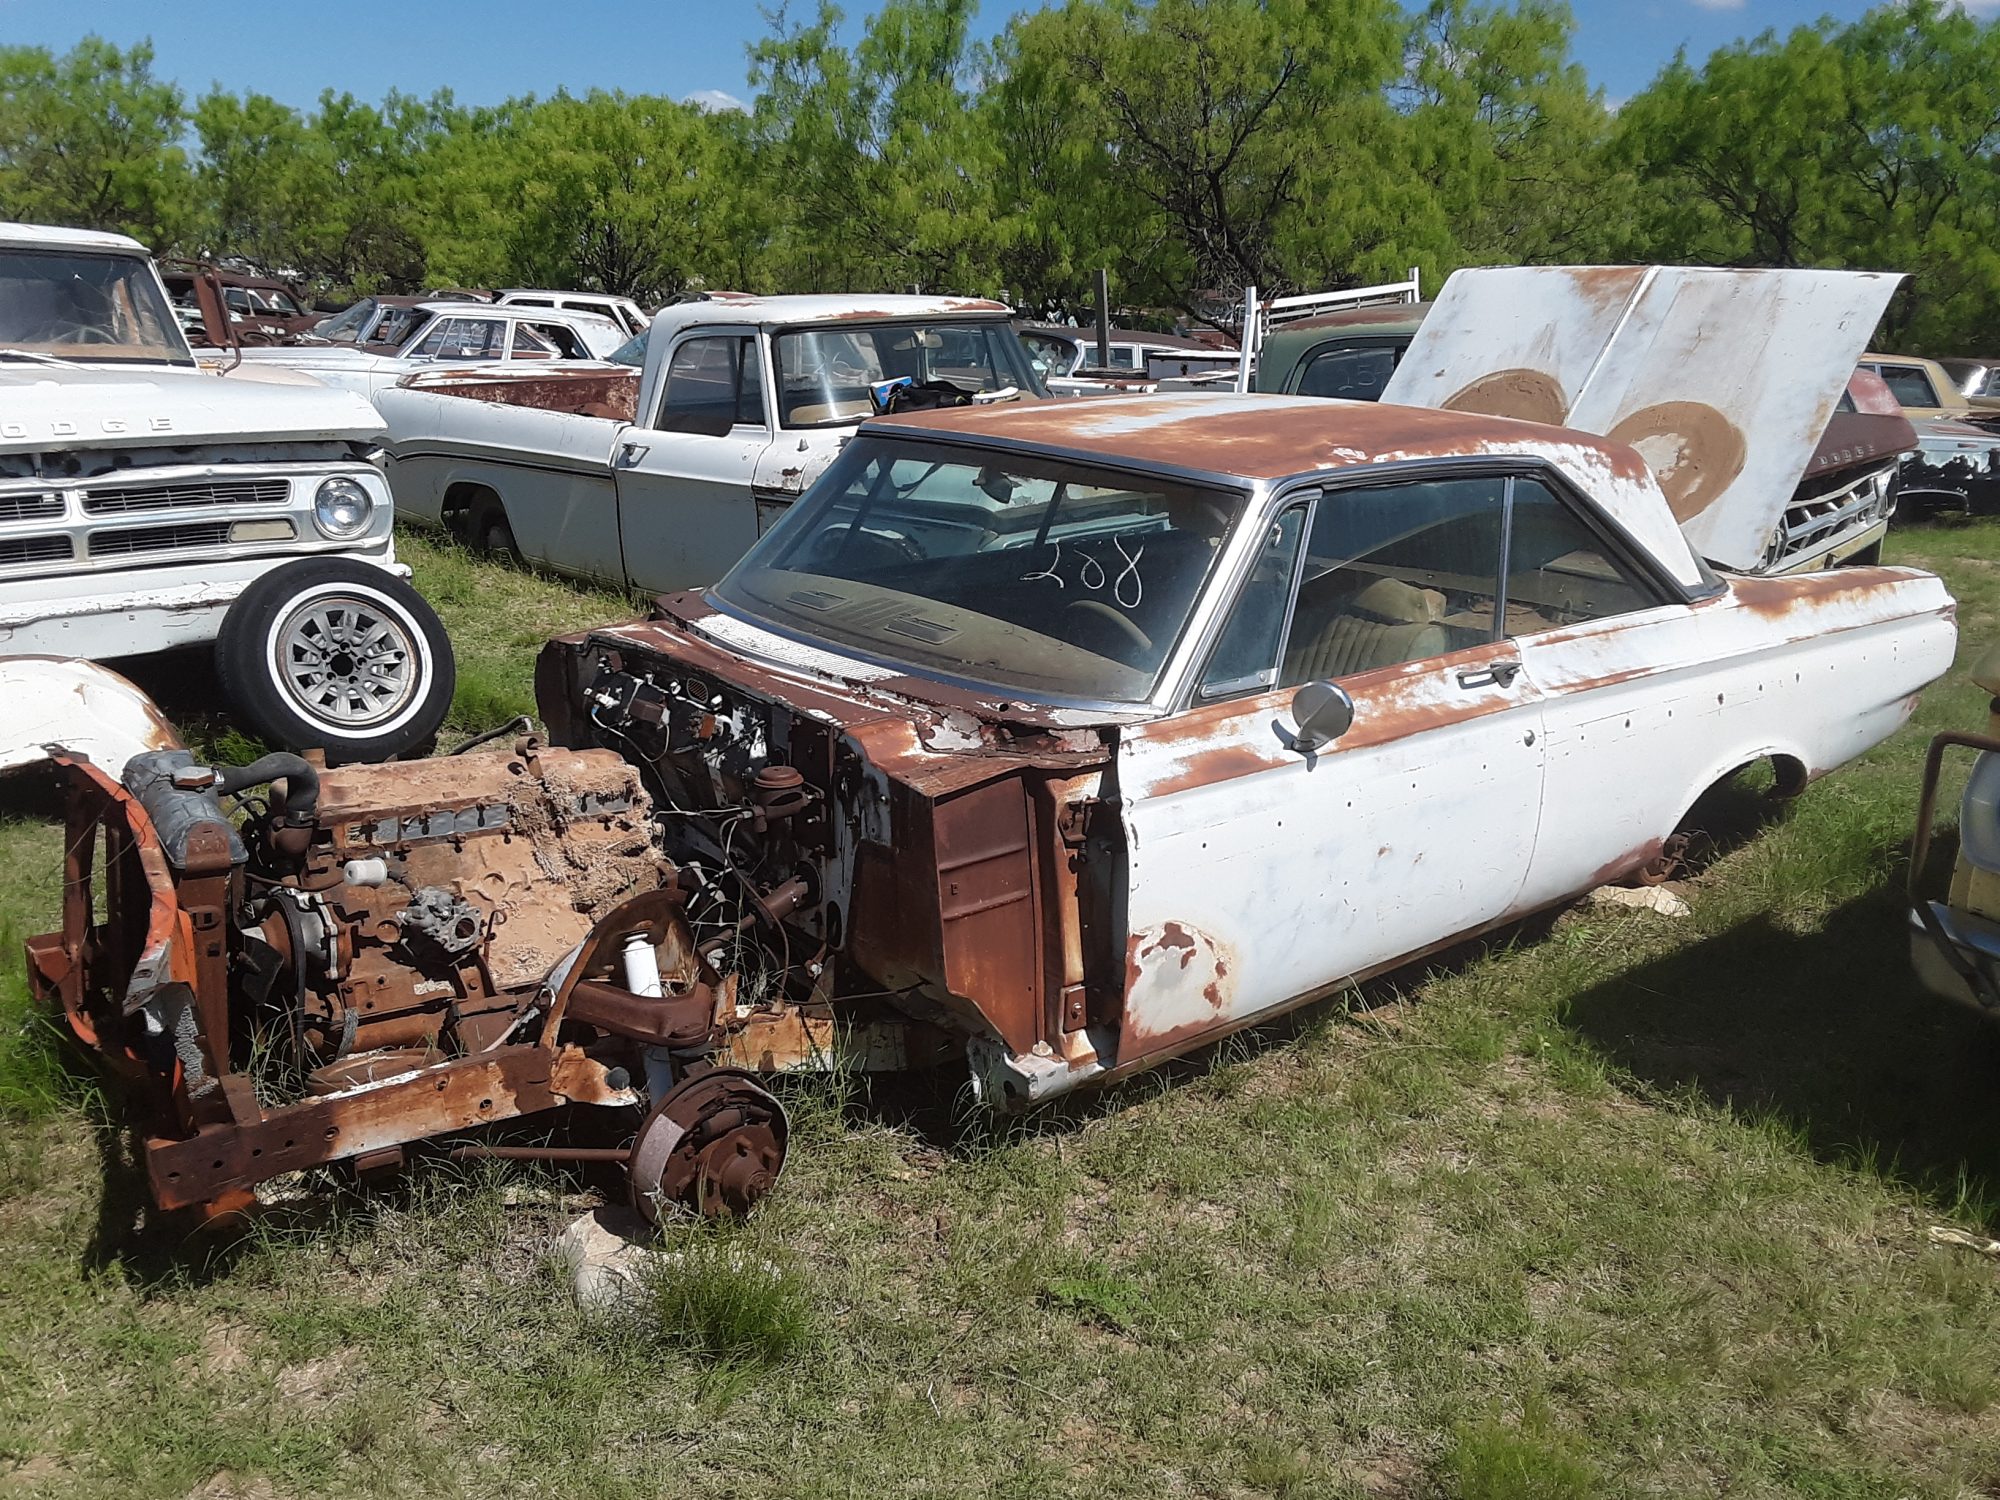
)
(344, 659)
(714, 1143)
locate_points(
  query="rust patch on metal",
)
(581, 392)
(1255, 437)
(1776, 598)
(1526, 395)
(1693, 449)
(1177, 988)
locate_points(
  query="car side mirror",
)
(1323, 711)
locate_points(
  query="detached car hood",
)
(1724, 381)
(41, 405)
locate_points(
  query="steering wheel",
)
(1097, 609)
(90, 333)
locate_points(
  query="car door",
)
(1257, 873)
(685, 505)
(1628, 692)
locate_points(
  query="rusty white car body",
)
(1071, 737)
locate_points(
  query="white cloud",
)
(1719, 4)
(716, 101)
(1979, 7)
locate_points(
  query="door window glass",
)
(711, 382)
(1909, 385)
(463, 338)
(1396, 573)
(1349, 374)
(1558, 572)
(1245, 659)
(529, 344)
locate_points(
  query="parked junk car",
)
(1955, 943)
(146, 504)
(261, 309)
(1030, 741)
(1066, 359)
(1956, 462)
(1978, 381)
(1349, 354)
(620, 310)
(369, 322)
(1840, 511)
(452, 333)
(1085, 711)
(659, 480)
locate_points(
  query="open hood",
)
(1723, 380)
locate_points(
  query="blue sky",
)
(492, 49)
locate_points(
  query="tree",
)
(610, 193)
(883, 164)
(1869, 145)
(92, 139)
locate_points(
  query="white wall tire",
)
(334, 655)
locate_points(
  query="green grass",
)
(1620, 1206)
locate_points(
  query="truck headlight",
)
(342, 508)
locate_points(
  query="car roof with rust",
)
(1254, 437)
(806, 308)
(1263, 438)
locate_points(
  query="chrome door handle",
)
(1499, 673)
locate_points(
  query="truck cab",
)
(660, 478)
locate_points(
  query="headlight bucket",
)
(342, 509)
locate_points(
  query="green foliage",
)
(92, 139)
(720, 1300)
(1493, 1460)
(1865, 145)
(1191, 147)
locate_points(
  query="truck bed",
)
(591, 391)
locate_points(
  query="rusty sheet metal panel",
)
(1723, 380)
(988, 916)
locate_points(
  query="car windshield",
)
(105, 309)
(825, 374)
(632, 352)
(345, 326)
(1028, 574)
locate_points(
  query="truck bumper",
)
(163, 607)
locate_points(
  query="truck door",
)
(1259, 873)
(685, 505)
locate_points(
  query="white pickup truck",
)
(146, 503)
(661, 479)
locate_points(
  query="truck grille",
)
(46, 506)
(35, 549)
(202, 534)
(100, 501)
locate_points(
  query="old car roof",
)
(1266, 437)
(1254, 437)
(1395, 317)
(742, 307)
(47, 236)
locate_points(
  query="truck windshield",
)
(1033, 575)
(824, 374)
(103, 309)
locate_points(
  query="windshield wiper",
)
(35, 358)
